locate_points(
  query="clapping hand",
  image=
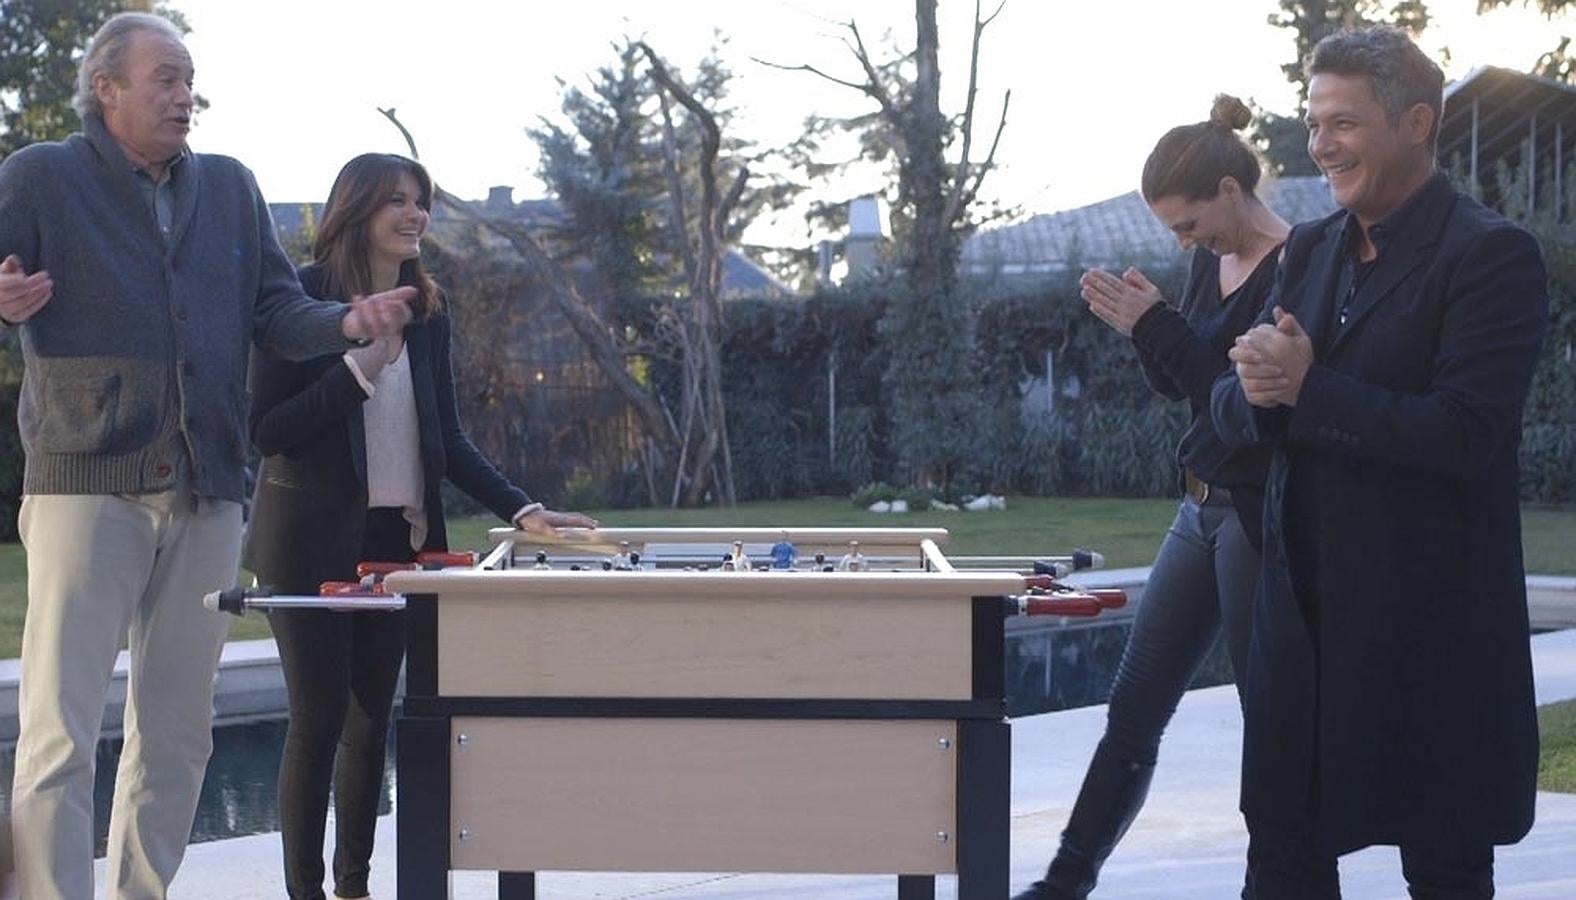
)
(1273, 360)
(1119, 302)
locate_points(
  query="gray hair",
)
(107, 54)
(1400, 75)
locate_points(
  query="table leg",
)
(516, 886)
(984, 809)
(422, 764)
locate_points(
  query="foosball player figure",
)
(784, 554)
(741, 563)
(621, 558)
(854, 561)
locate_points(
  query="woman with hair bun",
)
(1199, 181)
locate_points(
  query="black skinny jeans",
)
(340, 670)
(1201, 586)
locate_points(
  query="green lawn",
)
(1557, 759)
(1126, 531)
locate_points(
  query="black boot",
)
(1113, 792)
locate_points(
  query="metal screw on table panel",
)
(940, 836)
(464, 739)
(944, 743)
(465, 834)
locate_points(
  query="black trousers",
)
(1283, 864)
(340, 670)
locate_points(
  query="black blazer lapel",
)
(418, 347)
(1408, 251)
(356, 431)
(1316, 309)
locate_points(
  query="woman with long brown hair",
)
(355, 448)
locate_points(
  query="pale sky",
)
(295, 84)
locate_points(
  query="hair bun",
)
(1229, 112)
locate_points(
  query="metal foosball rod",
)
(1056, 566)
(344, 596)
(364, 595)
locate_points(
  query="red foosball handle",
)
(350, 589)
(1080, 605)
(446, 559)
(433, 559)
(379, 569)
(1110, 598)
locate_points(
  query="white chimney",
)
(867, 235)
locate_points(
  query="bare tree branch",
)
(960, 180)
(670, 168)
(959, 202)
(804, 67)
(704, 407)
(961, 193)
(731, 199)
(876, 89)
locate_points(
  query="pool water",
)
(238, 794)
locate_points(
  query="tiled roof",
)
(1115, 231)
(741, 276)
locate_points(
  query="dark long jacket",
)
(1389, 696)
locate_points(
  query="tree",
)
(641, 172)
(1559, 62)
(930, 388)
(1284, 139)
(41, 45)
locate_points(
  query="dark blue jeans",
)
(1201, 586)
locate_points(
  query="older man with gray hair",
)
(138, 274)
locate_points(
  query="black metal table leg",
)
(516, 886)
(984, 809)
(422, 764)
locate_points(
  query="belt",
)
(1202, 491)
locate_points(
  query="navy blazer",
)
(310, 505)
(1389, 692)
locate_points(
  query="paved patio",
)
(1187, 845)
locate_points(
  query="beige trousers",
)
(101, 568)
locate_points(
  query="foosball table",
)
(800, 700)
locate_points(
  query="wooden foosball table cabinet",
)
(672, 720)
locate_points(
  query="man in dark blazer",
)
(1389, 696)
